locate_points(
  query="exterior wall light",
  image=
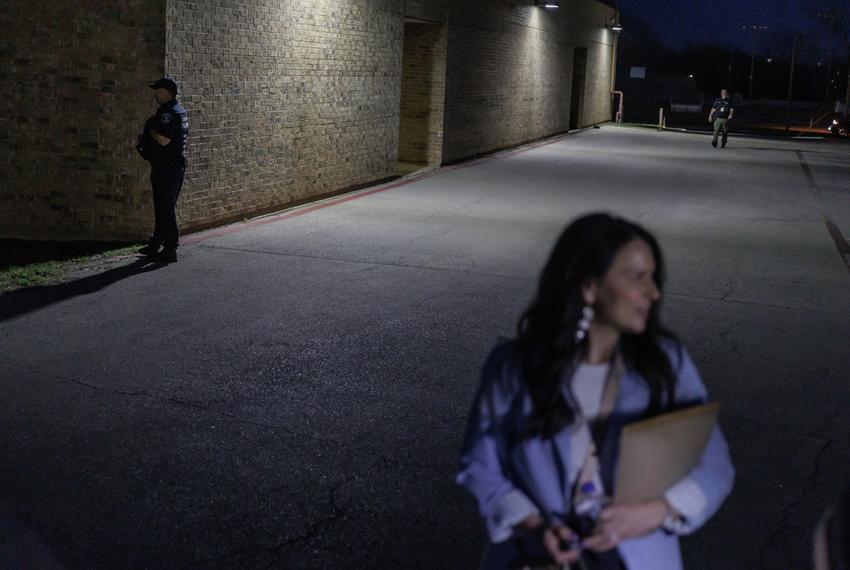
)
(547, 3)
(614, 24)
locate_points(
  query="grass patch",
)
(124, 250)
(53, 270)
(30, 275)
(20, 252)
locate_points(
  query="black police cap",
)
(165, 83)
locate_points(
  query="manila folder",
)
(656, 453)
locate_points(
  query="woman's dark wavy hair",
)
(546, 332)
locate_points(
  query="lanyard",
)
(595, 431)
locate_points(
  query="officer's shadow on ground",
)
(22, 301)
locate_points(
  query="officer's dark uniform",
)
(168, 166)
(722, 109)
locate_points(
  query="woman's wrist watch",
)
(673, 523)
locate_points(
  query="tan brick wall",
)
(423, 93)
(427, 10)
(510, 72)
(589, 26)
(72, 100)
(286, 99)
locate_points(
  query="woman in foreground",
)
(541, 445)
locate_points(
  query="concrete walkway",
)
(293, 392)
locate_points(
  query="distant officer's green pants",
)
(720, 125)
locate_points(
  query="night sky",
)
(677, 22)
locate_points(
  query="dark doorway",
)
(577, 98)
(423, 87)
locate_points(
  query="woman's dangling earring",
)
(584, 323)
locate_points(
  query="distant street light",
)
(753, 28)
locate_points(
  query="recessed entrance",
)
(423, 87)
(577, 97)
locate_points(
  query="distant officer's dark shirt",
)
(722, 108)
(172, 122)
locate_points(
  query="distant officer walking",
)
(721, 112)
(163, 143)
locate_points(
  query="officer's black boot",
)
(150, 250)
(167, 255)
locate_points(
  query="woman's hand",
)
(622, 522)
(552, 538)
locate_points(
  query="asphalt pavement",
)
(292, 393)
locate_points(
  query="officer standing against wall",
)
(163, 143)
(721, 113)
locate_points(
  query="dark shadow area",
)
(21, 546)
(23, 252)
(22, 301)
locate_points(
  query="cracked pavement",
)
(292, 393)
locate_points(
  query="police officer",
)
(163, 143)
(721, 112)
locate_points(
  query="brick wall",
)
(287, 100)
(72, 100)
(588, 25)
(423, 93)
(510, 72)
(427, 10)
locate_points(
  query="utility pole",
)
(834, 28)
(729, 81)
(846, 37)
(753, 28)
(837, 26)
(791, 82)
(847, 95)
(829, 57)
